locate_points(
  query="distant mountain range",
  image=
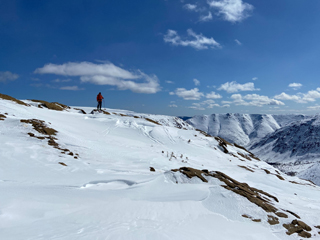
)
(243, 129)
(289, 142)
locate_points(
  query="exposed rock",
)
(281, 214)
(150, 120)
(2, 117)
(273, 220)
(40, 126)
(297, 226)
(245, 156)
(63, 164)
(294, 214)
(53, 105)
(152, 169)
(6, 97)
(253, 219)
(267, 171)
(223, 144)
(81, 110)
(256, 196)
(246, 168)
(280, 177)
(203, 133)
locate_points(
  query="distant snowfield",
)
(105, 189)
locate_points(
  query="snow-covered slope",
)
(243, 129)
(69, 175)
(294, 149)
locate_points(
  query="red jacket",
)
(99, 97)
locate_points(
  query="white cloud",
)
(295, 86)
(192, 94)
(254, 100)
(8, 76)
(310, 96)
(232, 87)
(197, 106)
(238, 42)
(198, 41)
(255, 78)
(105, 74)
(71, 88)
(206, 18)
(284, 96)
(231, 10)
(191, 7)
(213, 95)
(196, 82)
(316, 107)
(61, 80)
(173, 106)
(170, 82)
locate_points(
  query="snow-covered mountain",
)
(74, 173)
(243, 129)
(295, 149)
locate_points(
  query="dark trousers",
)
(99, 105)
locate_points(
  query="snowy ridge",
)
(243, 129)
(91, 179)
(295, 149)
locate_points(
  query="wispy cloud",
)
(170, 82)
(105, 74)
(72, 88)
(173, 105)
(232, 87)
(238, 42)
(196, 82)
(254, 78)
(192, 94)
(231, 10)
(206, 18)
(8, 76)
(190, 7)
(197, 41)
(295, 86)
(61, 80)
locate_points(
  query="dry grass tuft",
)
(6, 97)
(53, 106)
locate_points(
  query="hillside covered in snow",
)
(294, 149)
(75, 173)
(243, 129)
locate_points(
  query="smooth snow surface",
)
(109, 192)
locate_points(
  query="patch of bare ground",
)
(152, 169)
(40, 126)
(63, 164)
(299, 227)
(49, 133)
(244, 156)
(223, 144)
(2, 117)
(273, 220)
(203, 133)
(150, 120)
(51, 105)
(252, 219)
(246, 168)
(103, 111)
(81, 110)
(250, 153)
(258, 197)
(7, 97)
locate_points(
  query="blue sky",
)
(166, 57)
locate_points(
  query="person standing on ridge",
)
(99, 100)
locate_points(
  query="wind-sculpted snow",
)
(243, 129)
(107, 175)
